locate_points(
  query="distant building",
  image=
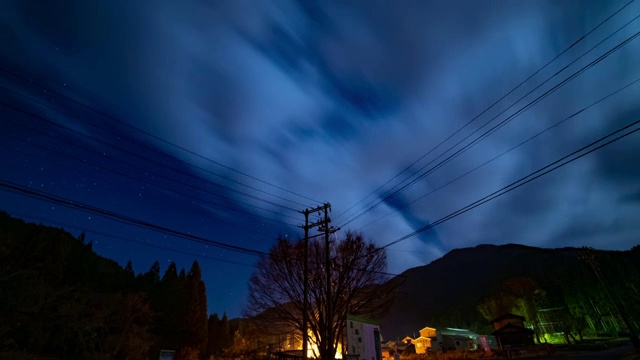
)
(423, 343)
(453, 339)
(407, 340)
(390, 348)
(363, 339)
(510, 331)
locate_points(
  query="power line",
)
(111, 117)
(505, 152)
(520, 182)
(491, 106)
(527, 179)
(244, 228)
(116, 237)
(503, 122)
(109, 131)
(120, 238)
(137, 155)
(220, 206)
(136, 167)
(42, 195)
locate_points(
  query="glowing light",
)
(312, 348)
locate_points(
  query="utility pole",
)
(588, 256)
(327, 230)
(328, 269)
(305, 271)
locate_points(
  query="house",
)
(407, 340)
(453, 339)
(423, 343)
(390, 348)
(428, 332)
(511, 332)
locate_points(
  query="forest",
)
(59, 298)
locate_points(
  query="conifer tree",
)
(153, 275)
(171, 275)
(226, 335)
(196, 312)
(213, 336)
(129, 268)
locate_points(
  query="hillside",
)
(447, 292)
(59, 298)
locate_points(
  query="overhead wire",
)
(503, 122)
(148, 134)
(559, 163)
(152, 149)
(116, 237)
(555, 165)
(576, 42)
(62, 201)
(128, 240)
(144, 158)
(87, 149)
(199, 200)
(54, 199)
(558, 123)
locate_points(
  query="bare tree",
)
(358, 284)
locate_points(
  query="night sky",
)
(221, 119)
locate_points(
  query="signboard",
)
(485, 344)
(363, 339)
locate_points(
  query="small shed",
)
(511, 332)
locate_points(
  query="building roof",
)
(456, 337)
(426, 327)
(507, 316)
(460, 332)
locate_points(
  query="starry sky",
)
(216, 122)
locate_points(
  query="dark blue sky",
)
(325, 100)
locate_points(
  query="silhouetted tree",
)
(276, 291)
(129, 267)
(59, 298)
(195, 317)
(170, 276)
(170, 301)
(213, 336)
(226, 335)
(152, 276)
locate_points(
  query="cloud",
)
(331, 100)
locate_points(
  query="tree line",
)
(575, 299)
(59, 298)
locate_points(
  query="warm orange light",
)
(312, 348)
